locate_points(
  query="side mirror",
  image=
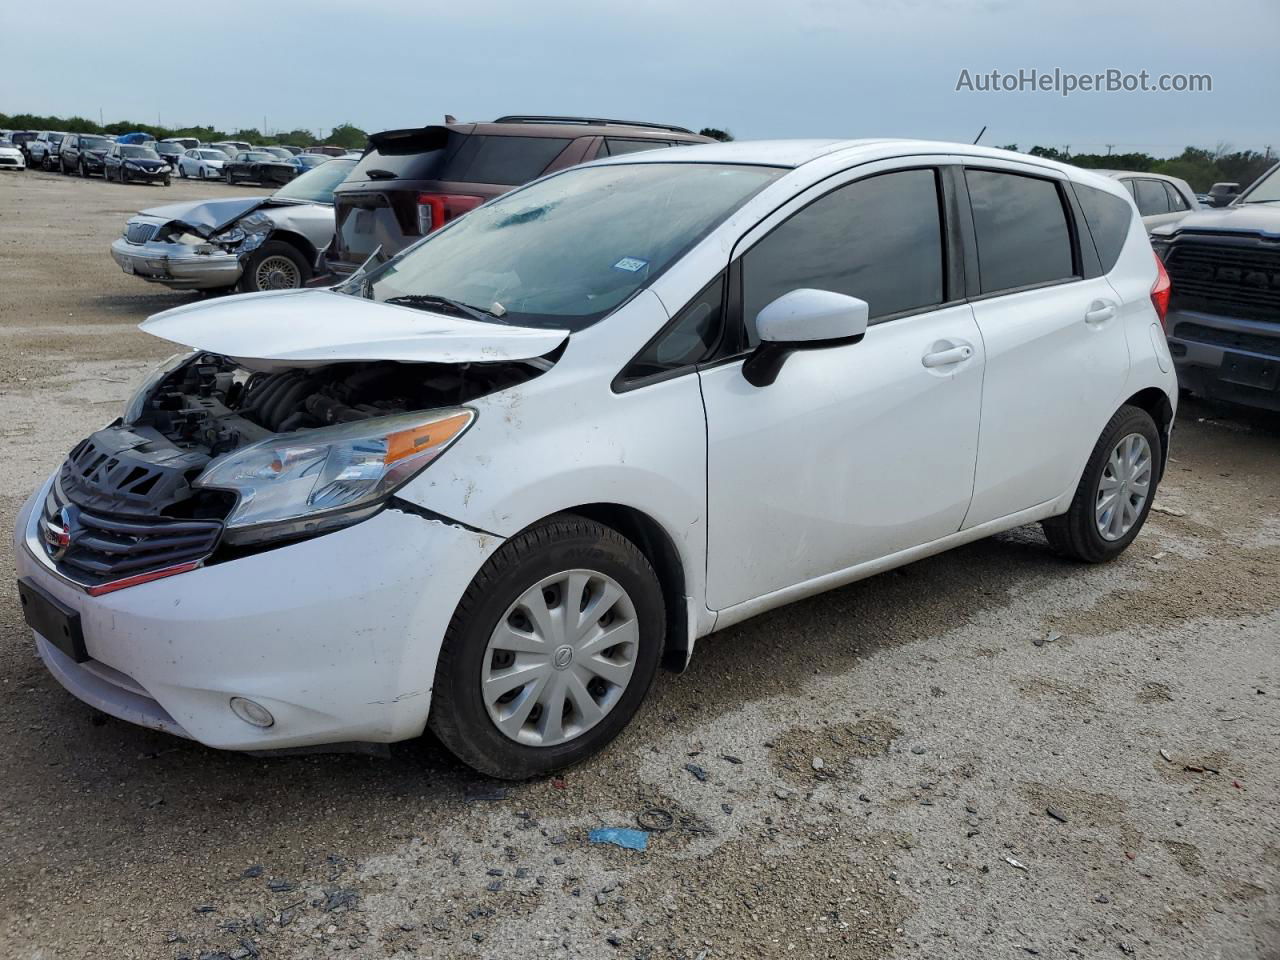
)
(803, 319)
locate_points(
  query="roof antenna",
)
(980, 133)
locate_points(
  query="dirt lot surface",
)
(991, 753)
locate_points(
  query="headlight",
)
(319, 480)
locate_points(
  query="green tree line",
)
(1200, 167)
(345, 135)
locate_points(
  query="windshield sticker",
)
(631, 264)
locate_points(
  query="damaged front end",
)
(215, 458)
(239, 238)
(203, 248)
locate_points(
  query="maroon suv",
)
(410, 182)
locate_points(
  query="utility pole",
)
(1109, 146)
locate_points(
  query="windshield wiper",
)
(456, 306)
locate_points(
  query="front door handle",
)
(1100, 311)
(944, 358)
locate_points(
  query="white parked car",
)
(203, 163)
(496, 482)
(11, 158)
(1160, 199)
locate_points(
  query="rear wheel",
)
(550, 652)
(1115, 493)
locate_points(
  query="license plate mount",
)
(1257, 372)
(53, 620)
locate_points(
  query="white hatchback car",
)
(496, 481)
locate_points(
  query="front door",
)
(859, 450)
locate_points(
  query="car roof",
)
(796, 153)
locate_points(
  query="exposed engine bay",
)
(210, 405)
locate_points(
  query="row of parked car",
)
(138, 157)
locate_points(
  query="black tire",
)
(565, 542)
(1075, 534)
(182, 172)
(272, 248)
(167, 181)
(84, 171)
(226, 175)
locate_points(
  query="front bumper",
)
(176, 265)
(336, 636)
(149, 175)
(13, 163)
(1227, 358)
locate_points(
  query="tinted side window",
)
(1022, 231)
(615, 147)
(1151, 197)
(878, 239)
(688, 339)
(505, 160)
(1108, 218)
(1176, 200)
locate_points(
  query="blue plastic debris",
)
(621, 837)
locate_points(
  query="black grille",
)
(101, 548)
(140, 232)
(1220, 277)
(1252, 342)
(122, 471)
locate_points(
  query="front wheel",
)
(1115, 493)
(167, 181)
(550, 651)
(275, 265)
(226, 175)
(83, 170)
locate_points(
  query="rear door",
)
(857, 450)
(1057, 356)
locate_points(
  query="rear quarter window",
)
(1108, 218)
(504, 160)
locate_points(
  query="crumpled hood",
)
(1259, 218)
(301, 328)
(213, 215)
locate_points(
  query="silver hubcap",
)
(1124, 487)
(277, 273)
(560, 658)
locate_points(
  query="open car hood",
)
(306, 328)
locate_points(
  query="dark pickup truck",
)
(1224, 315)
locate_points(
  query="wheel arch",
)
(1157, 403)
(660, 550)
(298, 242)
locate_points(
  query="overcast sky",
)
(810, 68)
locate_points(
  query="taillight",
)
(1160, 292)
(437, 209)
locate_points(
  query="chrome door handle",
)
(945, 357)
(1099, 312)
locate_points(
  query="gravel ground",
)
(991, 753)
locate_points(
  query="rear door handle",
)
(944, 358)
(1100, 311)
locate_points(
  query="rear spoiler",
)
(411, 140)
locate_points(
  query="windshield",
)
(213, 155)
(145, 152)
(256, 156)
(1266, 190)
(565, 251)
(316, 185)
(94, 143)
